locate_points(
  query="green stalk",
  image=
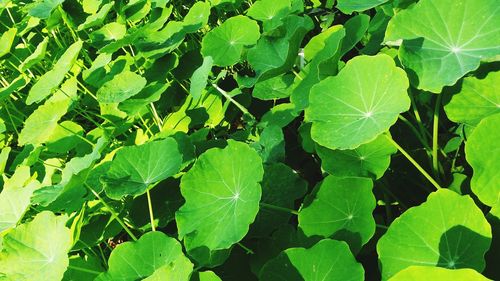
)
(278, 208)
(408, 156)
(238, 105)
(435, 135)
(151, 215)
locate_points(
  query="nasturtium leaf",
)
(222, 193)
(206, 276)
(355, 29)
(132, 261)
(135, 168)
(277, 87)
(340, 207)
(112, 31)
(7, 40)
(40, 125)
(456, 235)
(37, 250)
(440, 44)
(270, 12)
(15, 197)
(281, 186)
(124, 85)
(54, 77)
(179, 269)
(271, 144)
(98, 18)
(225, 43)
(425, 273)
(483, 154)
(367, 160)
(327, 260)
(478, 98)
(16, 84)
(36, 56)
(197, 17)
(349, 6)
(91, 6)
(43, 8)
(65, 137)
(83, 268)
(361, 102)
(199, 78)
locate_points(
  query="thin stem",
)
(435, 136)
(382, 226)
(113, 213)
(423, 131)
(415, 131)
(84, 270)
(408, 156)
(248, 250)
(278, 208)
(238, 105)
(151, 215)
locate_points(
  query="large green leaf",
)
(123, 86)
(37, 250)
(15, 197)
(368, 160)
(222, 193)
(483, 154)
(349, 6)
(327, 260)
(478, 98)
(132, 261)
(225, 42)
(54, 77)
(135, 168)
(40, 125)
(448, 230)
(359, 104)
(441, 44)
(340, 208)
(425, 273)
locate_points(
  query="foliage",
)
(249, 140)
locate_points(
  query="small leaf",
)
(222, 193)
(36, 56)
(135, 168)
(98, 18)
(43, 8)
(7, 40)
(124, 85)
(349, 6)
(225, 42)
(277, 87)
(199, 78)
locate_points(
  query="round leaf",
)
(483, 154)
(448, 230)
(441, 44)
(358, 104)
(327, 260)
(222, 195)
(425, 273)
(341, 207)
(134, 168)
(225, 42)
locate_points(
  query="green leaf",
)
(270, 12)
(43, 8)
(483, 154)
(36, 56)
(277, 87)
(225, 43)
(124, 85)
(199, 78)
(54, 77)
(135, 168)
(179, 270)
(355, 29)
(37, 250)
(40, 125)
(340, 208)
(83, 268)
(349, 6)
(271, 144)
(359, 104)
(456, 235)
(425, 273)
(98, 18)
(206, 276)
(7, 40)
(197, 17)
(367, 160)
(440, 44)
(222, 195)
(65, 137)
(477, 99)
(131, 261)
(327, 260)
(15, 197)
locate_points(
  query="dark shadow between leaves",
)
(352, 239)
(280, 268)
(492, 269)
(204, 257)
(461, 247)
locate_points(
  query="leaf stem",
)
(238, 105)
(408, 156)
(113, 213)
(84, 270)
(278, 208)
(150, 207)
(435, 136)
(248, 250)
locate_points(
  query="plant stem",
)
(84, 270)
(382, 226)
(435, 136)
(113, 213)
(248, 250)
(238, 105)
(408, 156)
(423, 131)
(278, 208)
(151, 215)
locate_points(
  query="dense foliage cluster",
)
(249, 140)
